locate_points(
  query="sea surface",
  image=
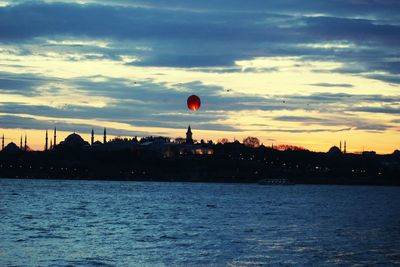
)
(102, 223)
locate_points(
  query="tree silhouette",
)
(251, 141)
(223, 141)
(289, 147)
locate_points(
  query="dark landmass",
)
(205, 162)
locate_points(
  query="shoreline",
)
(299, 182)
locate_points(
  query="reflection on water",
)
(97, 223)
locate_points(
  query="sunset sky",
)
(306, 73)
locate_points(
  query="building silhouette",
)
(189, 136)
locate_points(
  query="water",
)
(98, 223)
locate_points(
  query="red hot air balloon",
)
(193, 102)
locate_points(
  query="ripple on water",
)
(184, 224)
(91, 262)
(47, 236)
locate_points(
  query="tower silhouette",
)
(344, 147)
(340, 146)
(92, 140)
(46, 144)
(20, 143)
(25, 146)
(55, 137)
(105, 136)
(189, 136)
(2, 143)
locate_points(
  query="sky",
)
(305, 73)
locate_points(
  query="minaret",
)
(46, 147)
(20, 143)
(340, 146)
(344, 147)
(189, 139)
(25, 146)
(92, 140)
(2, 143)
(51, 144)
(105, 136)
(55, 136)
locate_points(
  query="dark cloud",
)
(188, 61)
(386, 78)
(206, 35)
(283, 130)
(22, 84)
(327, 98)
(33, 20)
(218, 70)
(299, 119)
(383, 8)
(10, 121)
(385, 110)
(350, 121)
(8, 85)
(332, 84)
(357, 30)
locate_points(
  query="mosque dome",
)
(334, 151)
(74, 140)
(12, 148)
